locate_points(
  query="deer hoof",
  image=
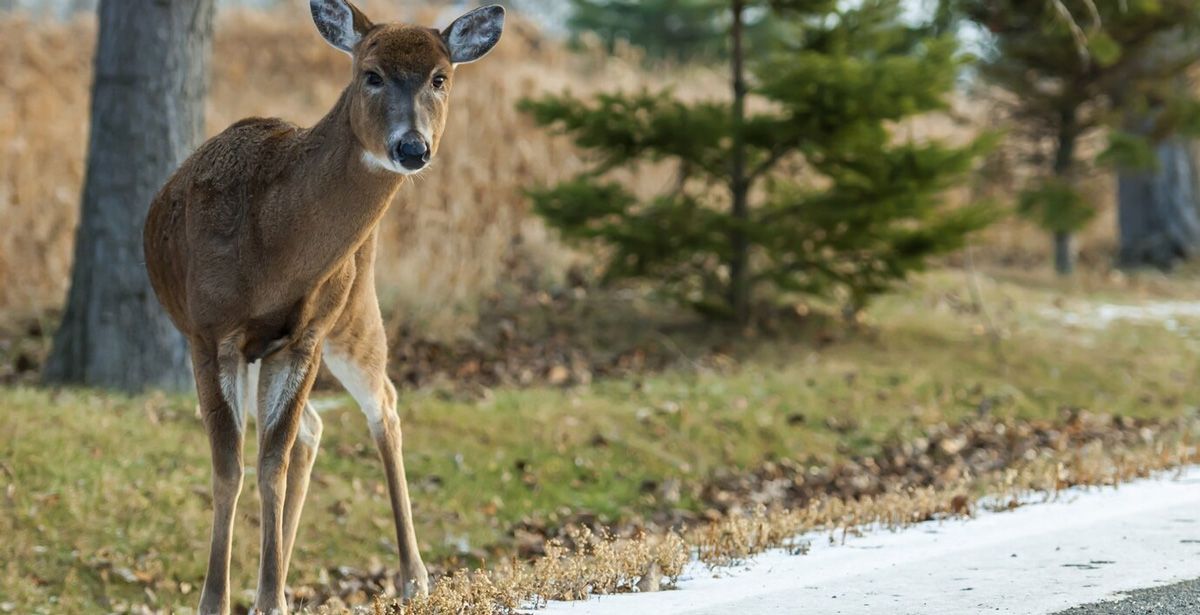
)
(413, 582)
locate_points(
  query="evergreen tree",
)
(678, 30)
(739, 225)
(1074, 67)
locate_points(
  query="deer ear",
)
(473, 35)
(340, 22)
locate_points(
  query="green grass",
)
(101, 488)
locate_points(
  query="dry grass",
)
(595, 565)
(734, 539)
(452, 233)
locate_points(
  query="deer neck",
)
(344, 198)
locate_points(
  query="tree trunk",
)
(1064, 165)
(739, 262)
(1064, 260)
(1157, 214)
(151, 77)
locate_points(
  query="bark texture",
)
(1064, 166)
(739, 184)
(1157, 209)
(151, 78)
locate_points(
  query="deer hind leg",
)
(285, 379)
(304, 454)
(361, 367)
(220, 386)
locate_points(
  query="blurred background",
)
(665, 242)
(469, 230)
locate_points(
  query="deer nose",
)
(411, 151)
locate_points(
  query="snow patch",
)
(1171, 314)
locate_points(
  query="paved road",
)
(1176, 599)
(1085, 548)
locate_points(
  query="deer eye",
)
(438, 82)
(373, 79)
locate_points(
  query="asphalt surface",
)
(1178, 599)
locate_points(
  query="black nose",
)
(411, 151)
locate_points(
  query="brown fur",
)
(261, 247)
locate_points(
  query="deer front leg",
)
(284, 382)
(220, 387)
(362, 371)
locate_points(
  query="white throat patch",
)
(375, 163)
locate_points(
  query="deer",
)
(261, 248)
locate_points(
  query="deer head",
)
(402, 76)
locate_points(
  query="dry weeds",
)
(594, 565)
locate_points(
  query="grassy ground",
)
(105, 500)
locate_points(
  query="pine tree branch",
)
(1077, 34)
(777, 154)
